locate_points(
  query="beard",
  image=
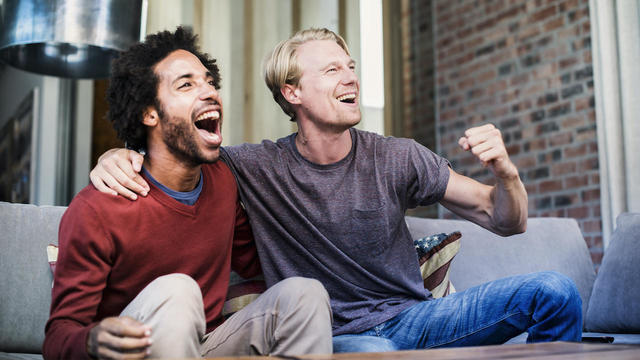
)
(179, 137)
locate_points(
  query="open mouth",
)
(347, 98)
(208, 121)
(208, 125)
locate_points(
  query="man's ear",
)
(291, 93)
(150, 117)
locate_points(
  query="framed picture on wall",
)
(18, 143)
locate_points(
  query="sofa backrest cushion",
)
(548, 244)
(615, 302)
(25, 278)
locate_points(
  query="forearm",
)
(501, 208)
(509, 206)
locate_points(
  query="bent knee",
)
(177, 286)
(173, 299)
(559, 286)
(178, 281)
(304, 288)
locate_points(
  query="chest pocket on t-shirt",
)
(367, 236)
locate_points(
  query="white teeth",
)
(346, 96)
(215, 115)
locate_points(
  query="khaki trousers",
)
(293, 317)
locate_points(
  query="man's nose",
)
(349, 77)
(209, 92)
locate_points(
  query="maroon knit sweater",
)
(111, 248)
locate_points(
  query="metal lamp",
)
(68, 38)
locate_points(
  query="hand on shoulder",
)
(117, 173)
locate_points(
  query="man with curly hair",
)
(149, 278)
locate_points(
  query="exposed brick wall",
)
(422, 88)
(526, 67)
(419, 80)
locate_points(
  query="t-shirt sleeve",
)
(427, 176)
(244, 255)
(228, 155)
(81, 274)
(236, 155)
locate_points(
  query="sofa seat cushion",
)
(19, 356)
(241, 292)
(614, 305)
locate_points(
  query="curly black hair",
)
(134, 86)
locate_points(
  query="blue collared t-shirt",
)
(342, 223)
(185, 197)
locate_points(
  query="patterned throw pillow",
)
(435, 254)
(52, 258)
(241, 292)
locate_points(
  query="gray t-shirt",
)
(342, 223)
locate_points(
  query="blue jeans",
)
(546, 305)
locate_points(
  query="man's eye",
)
(332, 70)
(212, 83)
(184, 85)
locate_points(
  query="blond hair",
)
(281, 66)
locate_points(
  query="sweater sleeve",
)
(82, 269)
(244, 256)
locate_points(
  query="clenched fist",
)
(485, 142)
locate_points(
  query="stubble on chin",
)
(179, 138)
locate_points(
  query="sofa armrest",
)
(25, 283)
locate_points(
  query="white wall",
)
(319, 14)
(271, 23)
(372, 66)
(221, 37)
(168, 14)
(81, 157)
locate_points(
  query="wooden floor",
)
(555, 350)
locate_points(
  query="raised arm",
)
(117, 173)
(501, 208)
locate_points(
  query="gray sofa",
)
(549, 244)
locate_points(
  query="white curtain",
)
(615, 32)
